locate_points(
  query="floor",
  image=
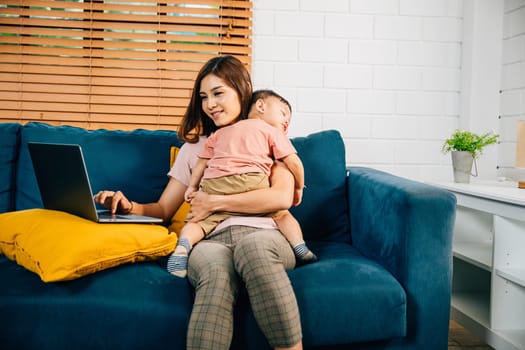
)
(460, 339)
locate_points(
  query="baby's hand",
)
(297, 196)
(189, 191)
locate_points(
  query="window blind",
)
(113, 64)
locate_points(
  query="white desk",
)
(488, 288)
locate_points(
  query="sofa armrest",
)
(407, 227)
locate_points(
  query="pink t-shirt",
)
(186, 160)
(181, 171)
(248, 146)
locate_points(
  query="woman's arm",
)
(172, 196)
(170, 200)
(278, 197)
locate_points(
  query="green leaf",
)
(469, 142)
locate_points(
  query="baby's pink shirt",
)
(248, 146)
(181, 171)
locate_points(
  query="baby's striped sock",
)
(178, 261)
(303, 255)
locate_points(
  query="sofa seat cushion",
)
(343, 298)
(362, 301)
(129, 307)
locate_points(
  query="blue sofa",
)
(383, 278)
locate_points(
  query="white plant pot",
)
(462, 164)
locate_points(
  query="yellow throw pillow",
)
(60, 246)
(179, 219)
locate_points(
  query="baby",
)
(226, 167)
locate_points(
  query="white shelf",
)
(476, 253)
(515, 338)
(488, 290)
(504, 191)
(514, 275)
(496, 198)
(474, 306)
(473, 312)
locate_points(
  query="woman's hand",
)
(202, 205)
(115, 201)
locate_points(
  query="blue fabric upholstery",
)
(403, 225)
(134, 162)
(9, 144)
(323, 213)
(130, 307)
(342, 291)
(382, 280)
(351, 291)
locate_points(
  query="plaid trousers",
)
(240, 254)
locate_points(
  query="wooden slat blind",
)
(115, 64)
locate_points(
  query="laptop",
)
(64, 185)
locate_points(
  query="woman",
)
(245, 250)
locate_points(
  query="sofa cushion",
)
(134, 306)
(9, 143)
(323, 212)
(60, 246)
(178, 220)
(343, 298)
(134, 162)
(362, 300)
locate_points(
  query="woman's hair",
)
(228, 68)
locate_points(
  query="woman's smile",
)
(215, 115)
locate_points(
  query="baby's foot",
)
(303, 255)
(178, 265)
(178, 261)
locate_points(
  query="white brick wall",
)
(512, 101)
(387, 74)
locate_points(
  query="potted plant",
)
(465, 147)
